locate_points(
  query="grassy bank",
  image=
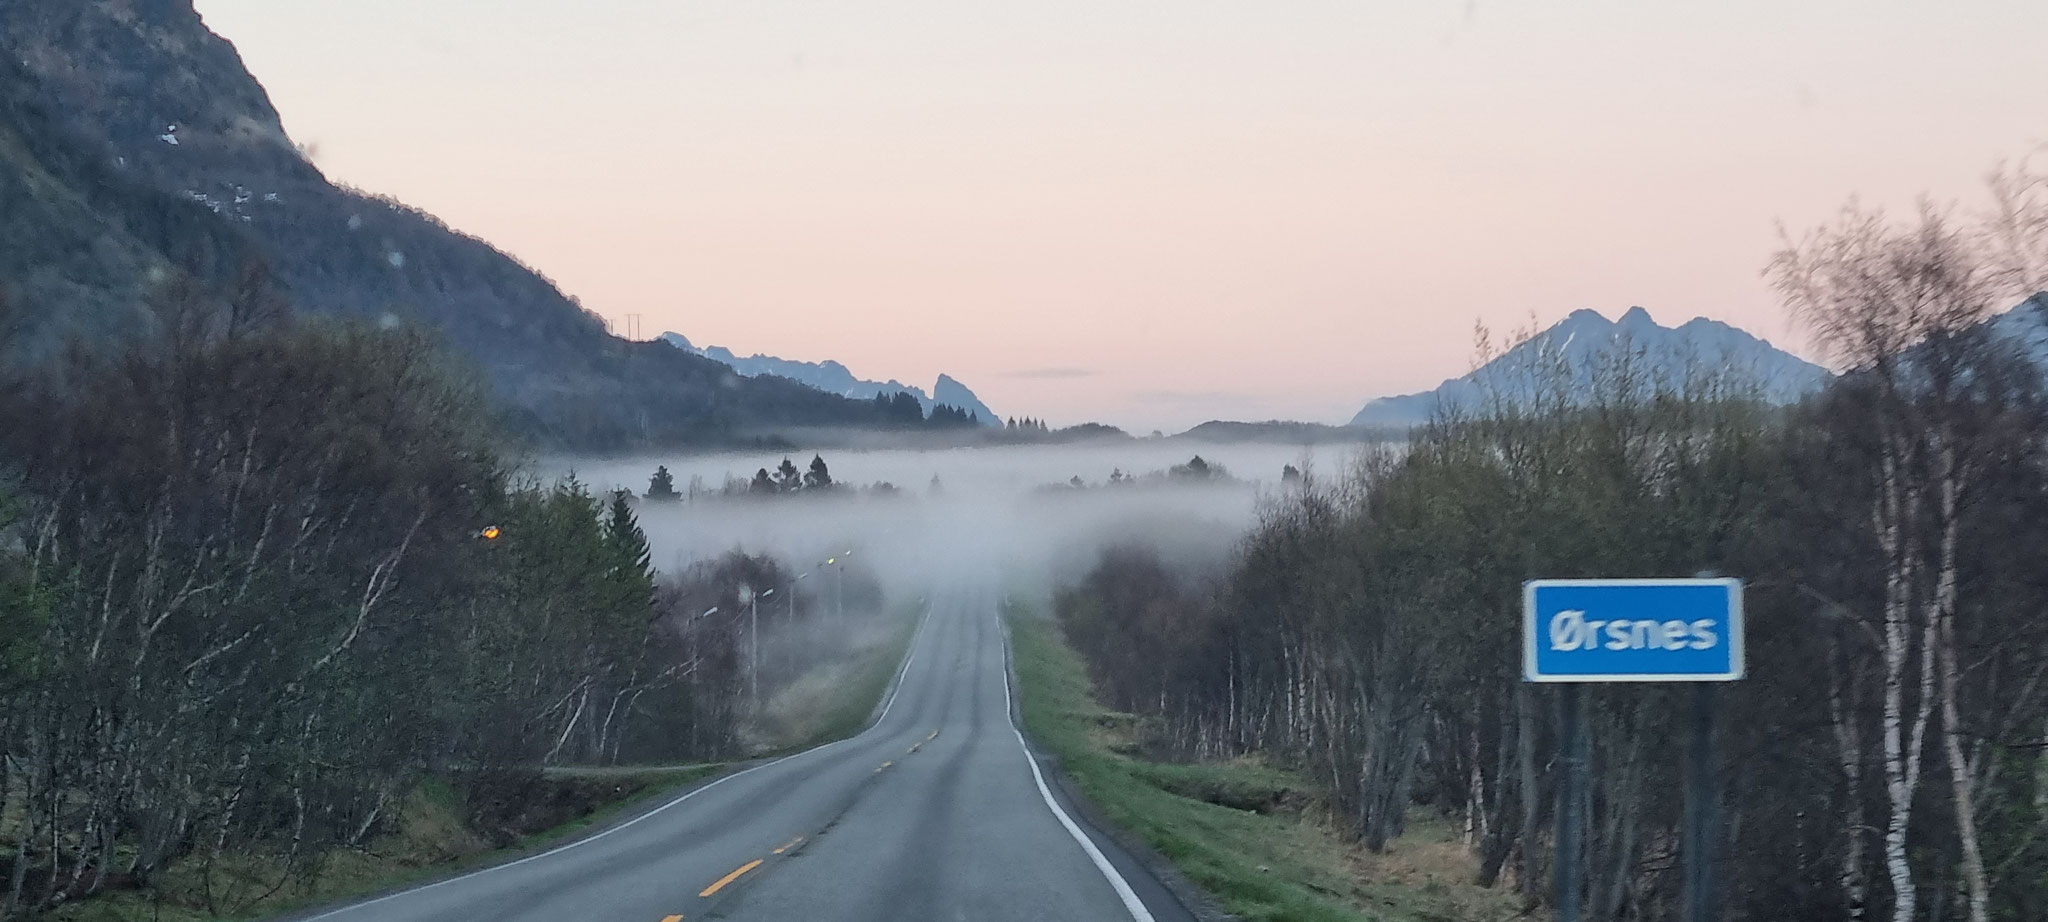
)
(835, 700)
(430, 840)
(1257, 838)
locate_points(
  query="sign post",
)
(1633, 630)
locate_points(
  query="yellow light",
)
(490, 533)
(831, 560)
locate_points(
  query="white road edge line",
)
(901, 673)
(1116, 880)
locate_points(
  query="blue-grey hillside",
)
(1583, 342)
(2027, 323)
(833, 378)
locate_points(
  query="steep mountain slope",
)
(74, 231)
(833, 378)
(158, 101)
(1577, 346)
(952, 393)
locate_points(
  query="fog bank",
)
(999, 510)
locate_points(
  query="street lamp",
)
(838, 585)
(754, 648)
(789, 635)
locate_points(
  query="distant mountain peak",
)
(1584, 337)
(835, 378)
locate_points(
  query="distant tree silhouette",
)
(1290, 474)
(763, 484)
(787, 478)
(1195, 469)
(820, 477)
(661, 487)
(952, 417)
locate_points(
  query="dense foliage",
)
(259, 575)
(1885, 757)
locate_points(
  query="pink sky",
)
(1149, 214)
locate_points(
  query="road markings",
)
(1132, 904)
(786, 846)
(671, 919)
(883, 767)
(708, 892)
(887, 706)
(935, 735)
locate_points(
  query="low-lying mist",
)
(981, 513)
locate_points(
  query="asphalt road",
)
(937, 812)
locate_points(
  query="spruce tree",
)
(632, 566)
(662, 486)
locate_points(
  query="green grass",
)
(430, 841)
(835, 700)
(1255, 837)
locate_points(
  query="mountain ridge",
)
(157, 101)
(833, 377)
(1577, 345)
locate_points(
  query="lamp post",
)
(788, 641)
(838, 586)
(754, 649)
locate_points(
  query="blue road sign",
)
(1632, 630)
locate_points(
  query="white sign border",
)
(1735, 632)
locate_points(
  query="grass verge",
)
(1257, 838)
(430, 841)
(834, 701)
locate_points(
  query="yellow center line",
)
(786, 846)
(671, 919)
(729, 878)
